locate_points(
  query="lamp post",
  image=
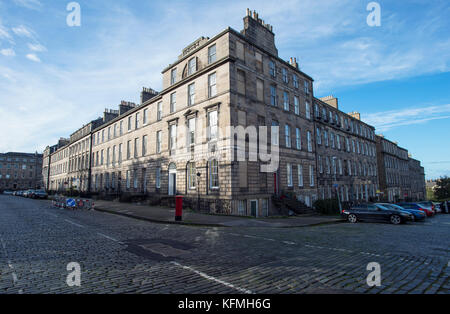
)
(336, 185)
(198, 190)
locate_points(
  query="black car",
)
(375, 212)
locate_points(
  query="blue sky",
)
(54, 78)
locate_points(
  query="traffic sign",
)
(70, 203)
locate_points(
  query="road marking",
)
(10, 265)
(73, 223)
(109, 238)
(229, 285)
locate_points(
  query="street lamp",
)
(198, 190)
(336, 185)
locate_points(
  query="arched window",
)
(213, 174)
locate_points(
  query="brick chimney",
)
(331, 100)
(355, 115)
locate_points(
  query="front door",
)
(172, 180)
(254, 208)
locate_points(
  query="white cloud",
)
(37, 47)
(23, 31)
(33, 57)
(387, 120)
(30, 4)
(8, 52)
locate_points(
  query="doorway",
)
(254, 208)
(172, 179)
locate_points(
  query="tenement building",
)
(346, 153)
(20, 171)
(416, 177)
(233, 126)
(401, 178)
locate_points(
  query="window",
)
(172, 137)
(272, 70)
(129, 123)
(135, 179)
(173, 76)
(173, 102)
(298, 138)
(113, 155)
(128, 179)
(311, 175)
(128, 149)
(145, 117)
(340, 166)
(320, 164)
(275, 133)
(103, 138)
(137, 120)
(289, 175)
(121, 128)
(212, 57)
(109, 133)
(325, 136)
(212, 88)
(296, 105)
(240, 82)
(192, 175)
(144, 145)
(287, 131)
(136, 147)
(309, 142)
(306, 87)
(286, 101)
(120, 153)
(300, 175)
(101, 159)
(191, 94)
(295, 80)
(159, 111)
(192, 66)
(158, 178)
(212, 122)
(213, 174)
(308, 110)
(285, 76)
(273, 95)
(191, 135)
(260, 90)
(158, 142)
(108, 153)
(319, 136)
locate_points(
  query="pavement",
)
(119, 255)
(166, 215)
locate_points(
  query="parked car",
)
(437, 207)
(428, 205)
(418, 214)
(8, 192)
(28, 193)
(417, 206)
(41, 194)
(375, 212)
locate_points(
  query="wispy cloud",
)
(8, 52)
(23, 31)
(33, 57)
(29, 4)
(387, 120)
(37, 47)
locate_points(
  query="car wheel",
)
(352, 218)
(396, 220)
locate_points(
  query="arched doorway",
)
(172, 179)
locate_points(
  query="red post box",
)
(178, 208)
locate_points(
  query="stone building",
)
(345, 153)
(179, 141)
(416, 177)
(20, 171)
(401, 178)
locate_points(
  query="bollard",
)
(178, 208)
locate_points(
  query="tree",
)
(442, 190)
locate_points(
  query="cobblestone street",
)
(123, 255)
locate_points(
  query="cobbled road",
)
(124, 255)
